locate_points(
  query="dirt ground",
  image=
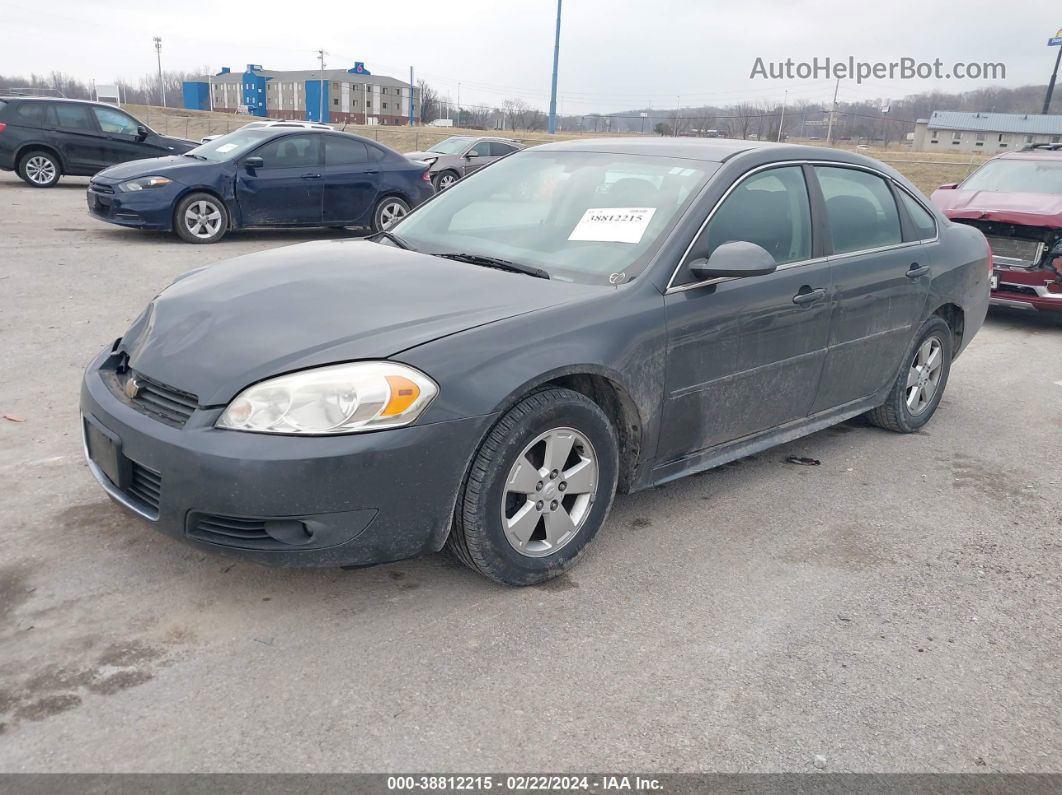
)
(894, 609)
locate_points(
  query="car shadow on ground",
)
(275, 236)
(1024, 319)
(65, 183)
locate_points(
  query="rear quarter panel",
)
(961, 276)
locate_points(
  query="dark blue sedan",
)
(263, 177)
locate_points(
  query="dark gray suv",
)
(44, 138)
(460, 155)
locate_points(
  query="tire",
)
(556, 511)
(906, 410)
(204, 207)
(388, 211)
(40, 168)
(444, 179)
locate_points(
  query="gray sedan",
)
(460, 155)
(583, 318)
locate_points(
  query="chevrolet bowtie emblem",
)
(132, 388)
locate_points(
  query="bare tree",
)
(428, 98)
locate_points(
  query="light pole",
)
(1054, 41)
(158, 56)
(556, 61)
(320, 109)
(781, 121)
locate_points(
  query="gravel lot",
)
(895, 609)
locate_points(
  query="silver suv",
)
(460, 155)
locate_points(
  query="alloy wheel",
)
(549, 492)
(446, 180)
(390, 213)
(202, 219)
(40, 170)
(924, 376)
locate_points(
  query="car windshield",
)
(1018, 176)
(591, 217)
(230, 146)
(451, 146)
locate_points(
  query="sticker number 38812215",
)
(613, 224)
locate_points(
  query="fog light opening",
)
(288, 531)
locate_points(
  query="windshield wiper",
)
(500, 264)
(394, 239)
(197, 157)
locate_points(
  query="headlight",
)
(143, 183)
(341, 398)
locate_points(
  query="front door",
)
(881, 281)
(74, 132)
(288, 189)
(745, 355)
(121, 137)
(350, 180)
(477, 157)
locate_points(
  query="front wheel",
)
(443, 180)
(918, 388)
(539, 489)
(201, 218)
(388, 212)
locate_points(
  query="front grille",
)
(97, 187)
(1016, 250)
(145, 484)
(228, 530)
(164, 402)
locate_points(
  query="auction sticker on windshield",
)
(613, 224)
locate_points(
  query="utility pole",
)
(459, 102)
(1055, 42)
(411, 96)
(320, 110)
(556, 62)
(781, 121)
(833, 110)
(158, 55)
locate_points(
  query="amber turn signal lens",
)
(403, 393)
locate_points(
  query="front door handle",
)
(917, 270)
(809, 296)
(311, 176)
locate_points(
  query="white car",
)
(273, 123)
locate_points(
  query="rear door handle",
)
(808, 296)
(311, 176)
(917, 270)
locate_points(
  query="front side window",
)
(860, 209)
(482, 149)
(113, 121)
(1017, 176)
(291, 151)
(590, 217)
(772, 210)
(72, 117)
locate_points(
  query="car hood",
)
(422, 155)
(1031, 209)
(217, 330)
(178, 167)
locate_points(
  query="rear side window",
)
(920, 217)
(498, 149)
(344, 152)
(114, 121)
(860, 209)
(71, 117)
(291, 151)
(772, 210)
(30, 114)
(376, 154)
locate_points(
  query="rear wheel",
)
(919, 387)
(39, 168)
(388, 212)
(201, 218)
(539, 489)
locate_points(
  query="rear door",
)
(745, 355)
(74, 132)
(288, 189)
(351, 180)
(881, 277)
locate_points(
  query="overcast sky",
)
(615, 54)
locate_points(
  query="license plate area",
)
(105, 451)
(993, 281)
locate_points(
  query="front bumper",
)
(356, 499)
(1026, 289)
(150, 209)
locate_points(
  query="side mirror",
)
(735, 259)
(142, 132)
(471, 153)
(949, 186)
(251, 163)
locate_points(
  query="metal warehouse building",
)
(956, 131)
(335, 95)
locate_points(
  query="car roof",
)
(1031, 154)
(57, 99)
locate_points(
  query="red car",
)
(1015, 199)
